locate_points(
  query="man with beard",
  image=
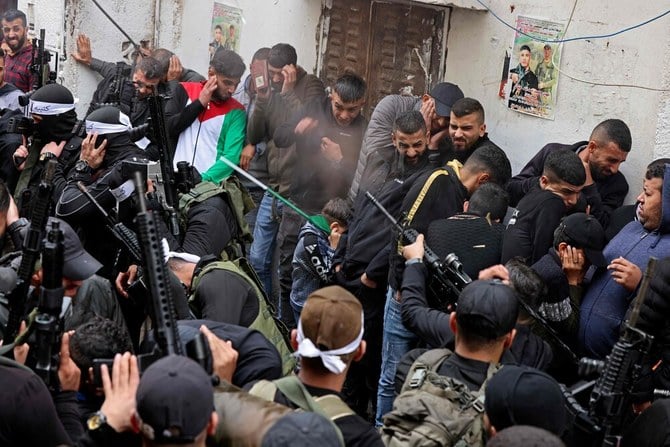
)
(212, 123)
(436, 110)
(290, 89)
(361, 258)
(17, 64)
(605, 187)
(611, 290)
(52, 110)
(467, 129)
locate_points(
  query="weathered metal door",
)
(395, 47)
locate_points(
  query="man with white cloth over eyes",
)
(329, 337)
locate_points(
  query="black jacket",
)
(212, 213)
(28, 413)
(604, 196)
(444, 198)
(257, 357)
(317, 179)
(530, 233)
(366, 246)
(226, 297)
(476, 242)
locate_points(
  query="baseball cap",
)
(175, 400)
(520, 395)
(331, 318)
(488, 309)
(586, 233)
(301, 428)
(445, 95)
(78, 264)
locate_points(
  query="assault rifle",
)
(169, 200)
(619, 372)
(117, 84)
(39, 65)
(162, 307)
(114, 95)
(48, 326)
(447, 278)
(31, 250)
(122, 233)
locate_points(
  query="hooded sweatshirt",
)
(606, 302)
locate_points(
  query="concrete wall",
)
(180, 25)
(266, 22)
(477, 43)
(476, 46)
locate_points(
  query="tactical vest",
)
(236, 196)
(266, 321)
(436, 411)
(330, 406)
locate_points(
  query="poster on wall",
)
(226, 28)
(530, 73)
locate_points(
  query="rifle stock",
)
(48, 323)
(40, 64)
(162, 305)
(31, 250)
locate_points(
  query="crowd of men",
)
(390, 277)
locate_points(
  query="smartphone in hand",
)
(259, 75)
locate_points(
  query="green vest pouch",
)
(266, 321)
(330, 406)
(235, 195)
(433, 410)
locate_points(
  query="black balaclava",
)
(112, 125)
(55, 105)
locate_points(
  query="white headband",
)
(188, 257)
(105, 128)
(49, 108)
(330, 359)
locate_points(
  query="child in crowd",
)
(314, 253)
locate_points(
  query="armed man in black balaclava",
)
(99, 167)
(48, 135)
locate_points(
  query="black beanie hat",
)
(107, 120)
(51, 99)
